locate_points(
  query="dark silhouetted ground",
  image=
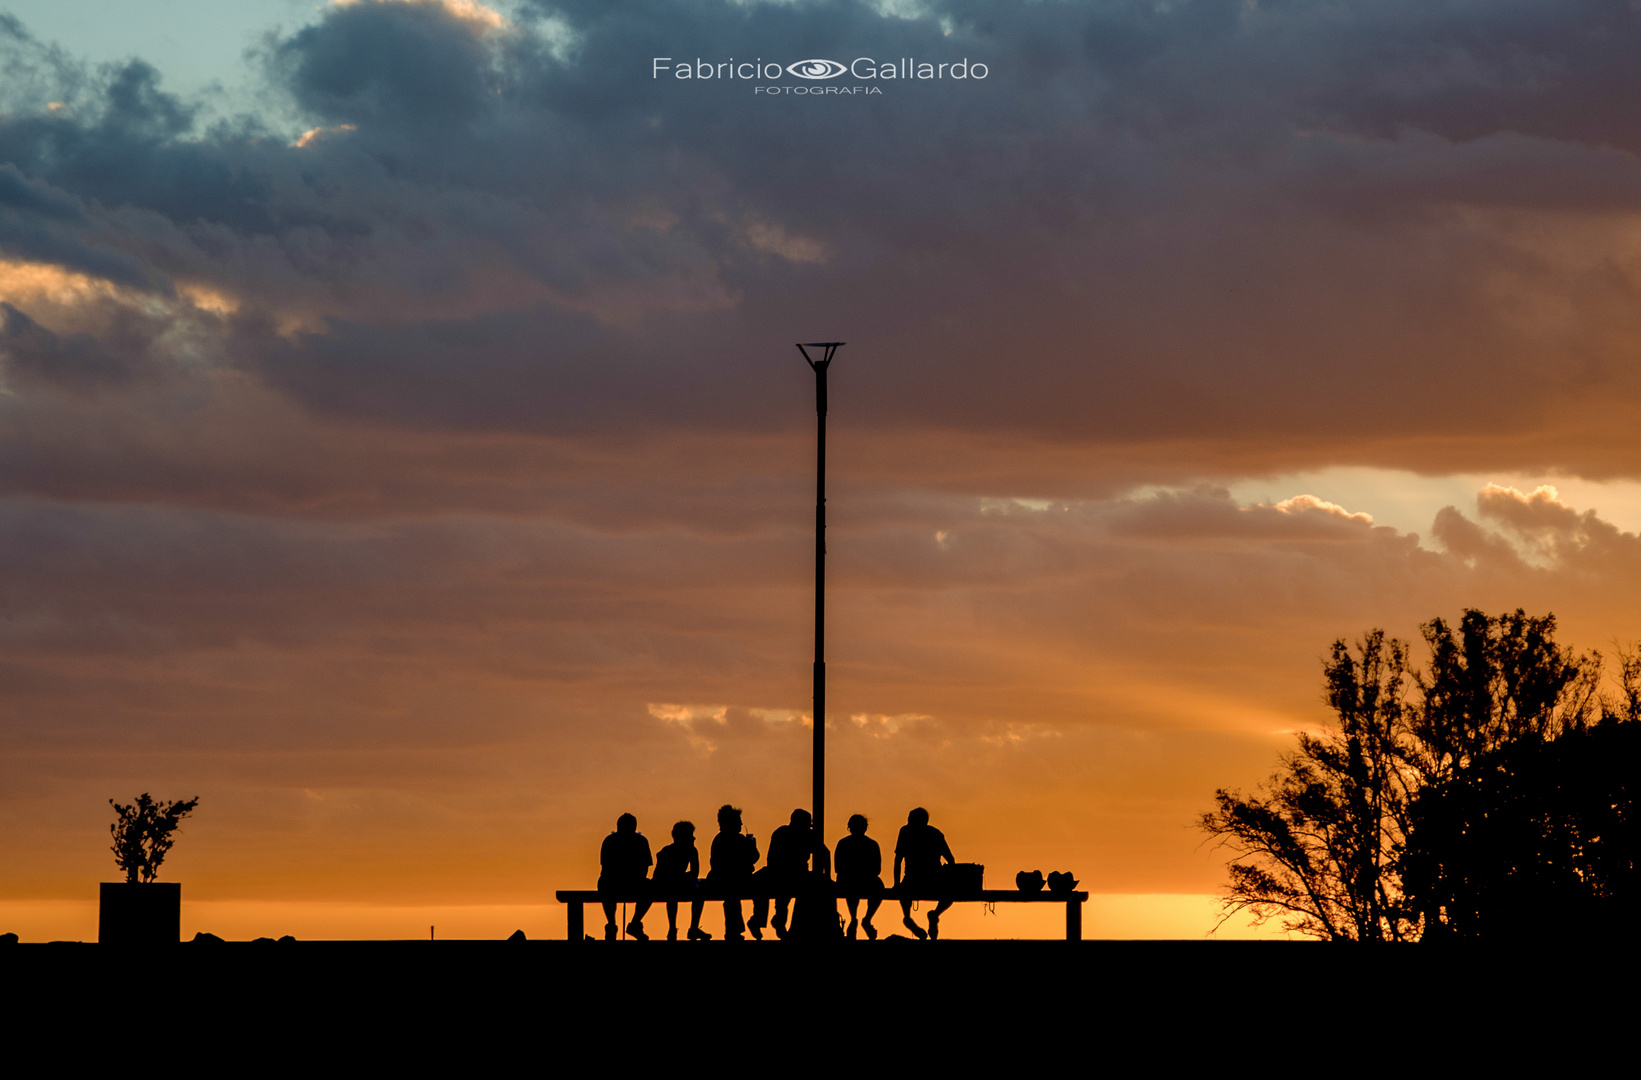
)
(969, 1006)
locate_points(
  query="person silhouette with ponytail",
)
(732, 860)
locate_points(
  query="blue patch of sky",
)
(204, 50)
(194, 44)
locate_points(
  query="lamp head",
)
(830, 347)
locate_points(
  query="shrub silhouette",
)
(142, 835)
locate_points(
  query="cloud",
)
(1464, 538)
(44, 225)
(1541, 508)
(1222, 226)
(1210, 512)
(19, 194)
(33, 352)
(418, 64)
(1553, 532)
(1049, 665)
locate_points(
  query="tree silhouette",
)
(142, 835)
(1319, 848)
(1537, 831)
(1460, 800)
(1496, 682)
(1534, 838)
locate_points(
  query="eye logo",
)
(816, 69)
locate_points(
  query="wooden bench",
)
(575, 898)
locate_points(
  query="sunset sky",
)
(403, 447)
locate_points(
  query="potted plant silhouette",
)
(140, 910)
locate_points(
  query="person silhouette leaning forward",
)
(730, 868)
(784, 872)
(919, 849)
(860, 875)
(677, 868)
(625, 861)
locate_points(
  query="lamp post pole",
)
(818, 798)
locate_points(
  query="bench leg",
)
(577, 931)
(1074, 920)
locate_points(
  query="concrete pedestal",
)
(139, 914)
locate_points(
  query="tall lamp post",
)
(819, 366)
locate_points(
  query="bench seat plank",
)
(575, 898)
(986, 896)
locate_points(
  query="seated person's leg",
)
(911, 923)
(934, 917)
(760, 906)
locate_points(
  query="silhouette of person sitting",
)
(731, 861)
(625, 861)
(919, 848)
(815, 909)
(860, 875)
(677, 869)
(783, 873)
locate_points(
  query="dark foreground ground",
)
(957, 1006)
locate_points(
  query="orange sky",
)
(419, 470)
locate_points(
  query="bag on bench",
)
(960, 878)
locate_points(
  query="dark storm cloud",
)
(19, 194)
(1144, 222)
(41, 223)
(80, 361)
(111, 142)
(410, 65)
(1462, 70)
(1054, 205)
